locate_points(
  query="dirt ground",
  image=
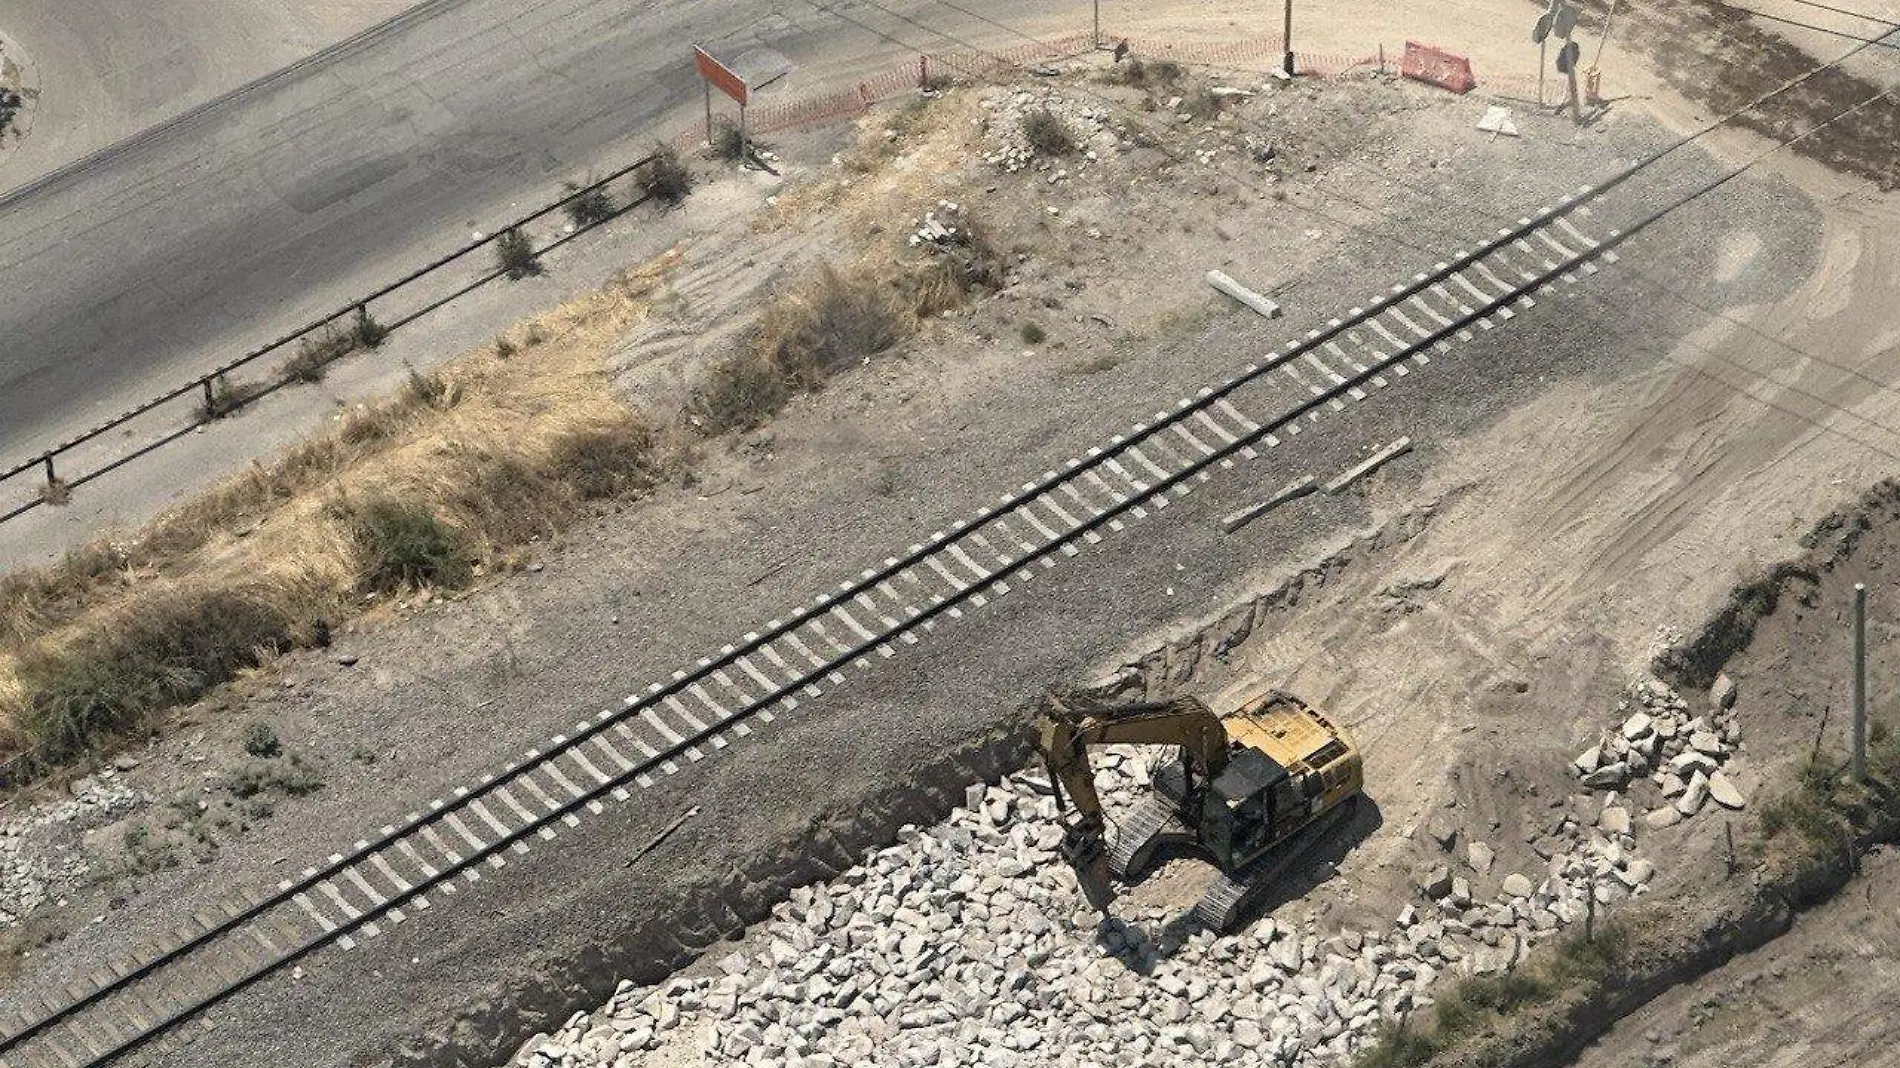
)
(1623, 460)
(1821, 995)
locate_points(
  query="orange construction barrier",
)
(1435, 66)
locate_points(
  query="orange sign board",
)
(720, 76)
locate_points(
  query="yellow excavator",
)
(1252, 792)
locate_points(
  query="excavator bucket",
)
(1087, 853)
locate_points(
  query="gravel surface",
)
(468, 683)
(967, 943)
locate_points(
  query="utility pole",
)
(1860, 682)
(1287, 37)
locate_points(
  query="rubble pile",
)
(967, 943)
(1088, 123)
(31, 871)
(1660, 744)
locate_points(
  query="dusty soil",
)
(1822, 994)
(1604, 472)
(884, 453)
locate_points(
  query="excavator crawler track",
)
(1136, 839)
(1234, 896)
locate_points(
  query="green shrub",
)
(515, 253)
(406, 546)
(726, 142)
(315, 355)
(594, 206)
(227, 397)
(170, 648)
(740, 392)
(608, 461)
(1047, 133)
(666, 179)
(365, 331)
(1034, 334)
(260, 740)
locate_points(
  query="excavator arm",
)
(1066, 731)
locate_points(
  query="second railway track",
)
(137, 1002)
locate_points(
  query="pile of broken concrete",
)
(967, 943)
(1660, 744)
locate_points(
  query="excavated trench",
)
(839, 838)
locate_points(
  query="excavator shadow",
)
(1142, 946)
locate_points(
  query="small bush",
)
(666, 179)
(832, 321)
(1034, 334)
(1145, 74)
(608, 461)
(726, 143)
(55, 491)
(365, 331)
(515, 253)
(288, 778)
(260, 740)
(1047, 133)
(315, 355)
(427, 389)
(969, 263)
(1201, 104)
(10, 104)
(504, 348)
(589, 208)
(404, 545)
(739, 393)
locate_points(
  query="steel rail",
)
(859, 652)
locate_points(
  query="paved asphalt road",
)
(164, 253)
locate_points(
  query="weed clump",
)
(586, 209)
(832, 321)
(1048, 134)
(1034, 334)
(315, 355)
(427, 389)
(666, 179)
(406, 545)
(608, 461)
(515, 253)
(227, 396)
(1145, 74)
(260, 740)
(167, 648)
(727, 143)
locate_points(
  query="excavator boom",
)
(1066, 733)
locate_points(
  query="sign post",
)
(1287, 39)
(719, 76)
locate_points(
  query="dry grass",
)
(434, 487)
(438, 485)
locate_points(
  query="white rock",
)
(1516, 885)
(1724, 793)
(1693, 795)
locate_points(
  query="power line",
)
(1664, 289)
(1653, 217)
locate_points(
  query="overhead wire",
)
(1644, 163)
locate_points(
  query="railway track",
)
(135, 1004)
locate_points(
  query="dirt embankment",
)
(1805, 845)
